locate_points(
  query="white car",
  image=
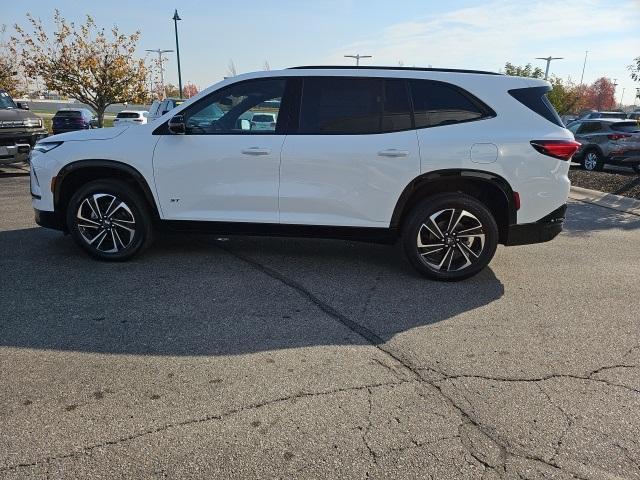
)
(449, 162)
(131, 117)
(263, 121)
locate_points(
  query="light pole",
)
(584, 65)
(548, 60)
(622, 96)
(357, 56)
(176, 17)
(161, 52)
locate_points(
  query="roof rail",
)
(373, 67)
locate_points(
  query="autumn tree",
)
(8, 67)
(600, 95)
(189, 90)
(83, 62)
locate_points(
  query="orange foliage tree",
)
(83, 62)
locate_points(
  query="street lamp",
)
(161, 60)
(548, 60)
(586, 52)
(357, 56)
(176, 17)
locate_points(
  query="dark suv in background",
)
(19, 130)
(72, 119)
(607, 141)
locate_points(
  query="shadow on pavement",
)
(584, 218)
(193, 295)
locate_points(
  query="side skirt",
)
(361, 234)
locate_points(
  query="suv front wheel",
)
(450, 237)
(109, 220)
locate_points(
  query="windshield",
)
(6, 101)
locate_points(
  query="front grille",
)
(9, 142)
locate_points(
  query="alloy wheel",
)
(106, 222)
(591, 161)
(451, 240)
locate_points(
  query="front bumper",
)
(15, 145)
(543, 230)
(49, 220)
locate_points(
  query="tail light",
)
(561, 149)
(618, 136)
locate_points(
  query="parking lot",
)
(287, 358)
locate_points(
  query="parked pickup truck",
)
(19, 130)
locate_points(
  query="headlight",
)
(44, 147)
(33, 122)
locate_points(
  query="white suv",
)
(451, 162)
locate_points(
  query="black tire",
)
(126, 208)
(636, 168)
(461, 249)
(592, 160)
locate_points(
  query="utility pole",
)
(357, 56)
(176, 17)
(622, 96)
(548, 60)
(160, 53)
(586, 52)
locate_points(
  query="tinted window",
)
(127, 115)
(68, 114)
(341, 105)
(437, 104)
(231, 109)
(589, 127)
(628, 127)
(535, 98)
(573, 128)
(397, 109)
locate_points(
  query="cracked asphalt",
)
(285, 358)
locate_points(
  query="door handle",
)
(256, 151)
(392, 152)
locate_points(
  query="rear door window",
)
(436, 104)
(589, 127)
(341, 105)
(396, 115)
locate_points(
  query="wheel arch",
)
(75, 174)
(491, 189)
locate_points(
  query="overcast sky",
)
(457, 34)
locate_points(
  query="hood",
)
(93, 134)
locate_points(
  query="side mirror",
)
(23, 105)
(176, 125)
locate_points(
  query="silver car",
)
(607, 141)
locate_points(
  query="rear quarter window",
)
(437, 104)
(535, 98)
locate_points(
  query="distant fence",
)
(55, 105)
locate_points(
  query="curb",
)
(606, 200)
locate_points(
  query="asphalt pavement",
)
(287, 358)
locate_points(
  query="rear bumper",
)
(543, 230)
(49, 220)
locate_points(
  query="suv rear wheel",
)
(450, 237)
(109, 221)
(592, 161)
